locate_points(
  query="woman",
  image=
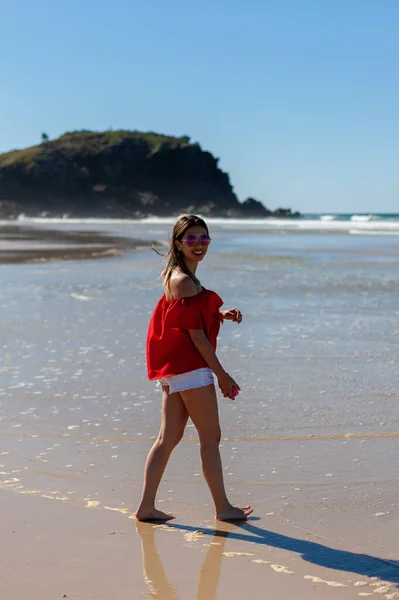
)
(181, 355)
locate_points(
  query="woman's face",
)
(190, 244)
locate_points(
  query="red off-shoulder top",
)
(170, 350)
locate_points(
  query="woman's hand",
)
(228, 386)
(232, 314)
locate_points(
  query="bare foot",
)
(232, 513)
(152, 515)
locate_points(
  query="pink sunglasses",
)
(191, 240)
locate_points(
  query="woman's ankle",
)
(146, 506)
(222, 506)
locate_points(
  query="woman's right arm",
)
(184, 287)
(204, 347)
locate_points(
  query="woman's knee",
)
(210, 438)
(170, 439)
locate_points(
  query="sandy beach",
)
(311, 442)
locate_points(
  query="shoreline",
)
(30, 244)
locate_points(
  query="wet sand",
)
(50, 550)
(25, 244)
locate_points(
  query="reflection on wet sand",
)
(154, 572)
(210, 571)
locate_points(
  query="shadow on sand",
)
(208, 580)
(312, 552)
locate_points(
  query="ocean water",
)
(352, 223)
(316, 425)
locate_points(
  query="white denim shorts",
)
(188, 381)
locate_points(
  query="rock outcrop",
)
(118, 174)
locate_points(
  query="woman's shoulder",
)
(180, 285)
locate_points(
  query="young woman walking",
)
(181, 355)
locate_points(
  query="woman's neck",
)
(191, 265)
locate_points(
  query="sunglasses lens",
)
(205, 240)
(191, 240)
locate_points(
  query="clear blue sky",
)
(299, 98)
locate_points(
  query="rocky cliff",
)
(119, 174)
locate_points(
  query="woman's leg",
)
(174, 420)
(202, 408)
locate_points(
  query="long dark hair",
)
(174, 256)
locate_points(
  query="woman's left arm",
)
(231, 314)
